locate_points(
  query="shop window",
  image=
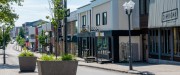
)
(177, 42)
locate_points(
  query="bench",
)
(89, 59)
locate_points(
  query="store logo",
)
(170, 15)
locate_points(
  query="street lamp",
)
(47, 40)
(27, 41)
(4, 55)
(128, 7)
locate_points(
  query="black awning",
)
(74, 38)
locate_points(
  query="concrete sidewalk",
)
(142, 68)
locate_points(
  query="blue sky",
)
(37, 9)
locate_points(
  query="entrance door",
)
(144, 47)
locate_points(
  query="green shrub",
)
(26, 53)
(68, 57)
(46, 57)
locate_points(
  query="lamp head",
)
(129, 5)
(46, 33)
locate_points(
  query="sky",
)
(33, 10)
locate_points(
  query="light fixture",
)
(46, 33)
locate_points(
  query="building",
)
(164, 32)
(72, 33)
(47, 27)
(31, 32)
(103, 30)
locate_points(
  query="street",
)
(12, 67)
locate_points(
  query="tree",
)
(57, 14)
(21, 33)
(20, 41)
(7, 15)
(42, 39)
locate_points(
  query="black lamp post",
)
(4, 55)
(129, 6)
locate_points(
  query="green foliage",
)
(8, 16)
(26, 53)
(6, 36)
(20, 40)
(21, 33)
(42, 38)
(46, 57)
(68, 57)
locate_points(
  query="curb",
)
(129, 72)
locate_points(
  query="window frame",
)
(104, 18)
(98, 19)
(84, 20)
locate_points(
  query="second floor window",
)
(97, 19)
(104, 18)
(84, 20)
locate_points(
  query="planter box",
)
(57, 67)
(27, 64)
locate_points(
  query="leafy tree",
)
(7, 15)
(21, 33)
(42, 39)
(57, 14)
(21, 41)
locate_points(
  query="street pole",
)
(65, 28)
(130, 50)
(4, 55)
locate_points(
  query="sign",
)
(99, 33)
(67, 12)
(170, 15)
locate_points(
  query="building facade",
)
(164, 22)
(103, 30)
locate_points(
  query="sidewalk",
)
(142, 68)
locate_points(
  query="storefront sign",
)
(170, 15)
(99, 33)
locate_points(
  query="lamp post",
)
(128, 7)
(27, 41)
(46, 33)
(4, 55)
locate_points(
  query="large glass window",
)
(177, 41)
(104, 18)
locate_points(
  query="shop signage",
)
(170, 15)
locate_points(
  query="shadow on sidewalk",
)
(9, 66)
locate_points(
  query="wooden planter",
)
(27, 64)
(57, 67)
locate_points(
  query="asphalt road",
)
(12, 67)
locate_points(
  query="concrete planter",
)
(27, 64)
(57, 67)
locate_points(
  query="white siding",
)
(99, 10)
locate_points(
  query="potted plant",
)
(27, 61)
(64, 65)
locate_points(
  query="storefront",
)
(164, 31)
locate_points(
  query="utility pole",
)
(4, 55)
(65, 28)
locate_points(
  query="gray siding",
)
(157, 7)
